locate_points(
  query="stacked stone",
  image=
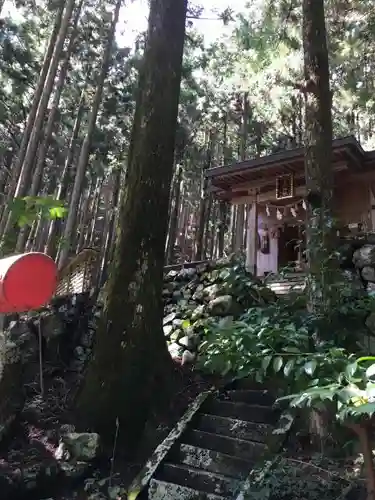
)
(214, 292)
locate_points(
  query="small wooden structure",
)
(273, 190)
(79, 274)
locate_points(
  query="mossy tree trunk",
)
(318, 156)
(131, 367)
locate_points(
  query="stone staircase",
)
(218, 449)
(286, 283)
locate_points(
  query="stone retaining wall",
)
(42, 360)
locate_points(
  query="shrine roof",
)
(346, 150)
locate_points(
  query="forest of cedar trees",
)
(105, 138)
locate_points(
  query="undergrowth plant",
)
(273, 344)
(290, 479)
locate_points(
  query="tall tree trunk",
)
(233, 215)
(211, 249)
(94, 212)
(110, 236)
(174, 215)
(37, 240)
(85, 150)
(130, 354)
(5, 177)
(28, 163)
(55, 226)
(203, 209)
(43, 148)
(85, 217)
(223, 206)
(318, 157)
(32, 145)
(31, 117)
(240, 219)
(207, 233)
(182, 220)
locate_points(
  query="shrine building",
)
(273, 190)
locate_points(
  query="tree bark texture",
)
(318, 155)
(131, 367)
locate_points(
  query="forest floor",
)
(29, 467)
(297, 476)
(28, 457)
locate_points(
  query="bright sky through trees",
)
(134, 19)
(134, 15)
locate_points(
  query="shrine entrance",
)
(291, 247)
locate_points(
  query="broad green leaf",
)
(349, 392)
(310, 367)
(370, 372)
(57, 212)
(23, 220)
(365, 409)
(300, 400)
(365, 358)
(292, 349)
(132, 495)
(266, 362)
(288, 367)
(370, 392)
(227, 369)
(277, 363)
(186, 324)
(287, 398)
(351, 369)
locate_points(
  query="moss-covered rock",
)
(15, 348)
(208, 292)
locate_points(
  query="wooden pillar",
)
(252, 238)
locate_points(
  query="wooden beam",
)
(252, 238)
(253, 185)
(282, 158)
(338, 167)
(299, 191)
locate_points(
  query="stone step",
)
(242, 411)
(210, 460)
(248, 384)
(291, 275)
(162, 490)
(233, 427)
(246, 450)
(216, 453)
(287, 286)
(248, 396)
(199, 480)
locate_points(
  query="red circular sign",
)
(27, 282)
